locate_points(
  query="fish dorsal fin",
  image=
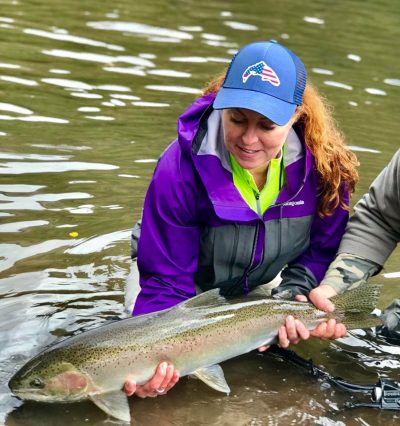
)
(114, 404)
(213, 376)
(208, 298)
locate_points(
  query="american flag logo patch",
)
(262, 70)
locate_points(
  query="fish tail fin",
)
(361, 320)
(354, 307)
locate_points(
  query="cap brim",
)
(273, 108)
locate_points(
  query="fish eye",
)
(37, 383)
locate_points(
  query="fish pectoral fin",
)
(114, 404)
(213, 376)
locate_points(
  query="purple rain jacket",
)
(196, 229)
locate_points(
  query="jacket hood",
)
(189, 121)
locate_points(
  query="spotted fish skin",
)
(195, 336)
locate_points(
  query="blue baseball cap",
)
(265, 77)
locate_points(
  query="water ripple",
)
(126, 70)
(180, 89)
(12, 253)
(33, 202)
(97, 57)
(240, 26)
(20, 188)
(19, 226)
(170, 73)
(150, 104)
(313, 20)
(100, 117)
(14, 168)
(141, 29)
(9, 66)
(36, 118)
(69, 84)
(40, 157)
(17, 80)
(100, 243)
(373, 91)
(14, 108)
(322, 71)
(392, 81)
(74, 39)
(353, 57)
(61, 147)
(86, 95)
(338, 84)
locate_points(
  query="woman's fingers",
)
(292, 332)
(283, 340)
(320, 297)
(263, 348)
(163, 380)
(330, 330)
(341, 331)
(169, 372)
(174, 380)
(153, 387)
(130, 386)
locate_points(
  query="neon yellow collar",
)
(257, 200)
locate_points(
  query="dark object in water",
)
(385, 394)
(391, 326)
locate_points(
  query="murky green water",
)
(90, 92)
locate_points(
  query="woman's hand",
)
(294, 330)
(163, 380)
(291, 332)
(319, 297)
(330, 329)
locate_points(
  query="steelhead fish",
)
(195, 336)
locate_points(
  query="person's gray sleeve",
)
(348, 271)
(374, 229)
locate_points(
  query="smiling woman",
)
(256, 184)
(253, 140)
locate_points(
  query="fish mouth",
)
(27, 394)
(34, 395)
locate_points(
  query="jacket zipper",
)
(235, 245)
(251, 266)
(258, 205)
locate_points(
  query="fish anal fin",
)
(213, 376)
(115, 404)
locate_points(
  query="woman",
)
(257, 181)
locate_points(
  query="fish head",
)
(50, 381)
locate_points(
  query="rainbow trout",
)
(195, 336)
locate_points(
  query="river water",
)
(90, 92)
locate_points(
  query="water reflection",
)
(14, 108)
(14, 168)
(156, 34)
(19, 226)
(33, 202)
(61, 35)
(338, 84)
